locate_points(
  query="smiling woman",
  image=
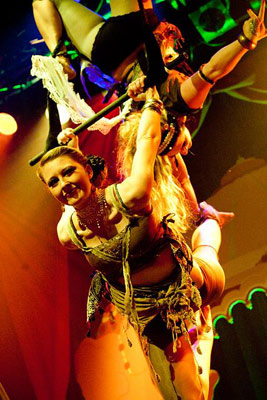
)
(131, 233)
(67, 176)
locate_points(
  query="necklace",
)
(94, 213)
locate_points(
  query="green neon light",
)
(218, 318)
(4, 89)
(210, 35)
(247, 304)
(16, 87)
(234, 304)
(174, 4)
(107, 15)
(254, 291)
(255, 4)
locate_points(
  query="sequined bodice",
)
(144, 244)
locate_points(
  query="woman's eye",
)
(52, 183)
(69, 171)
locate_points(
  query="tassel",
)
(200, 370)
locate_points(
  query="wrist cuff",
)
(245, 42)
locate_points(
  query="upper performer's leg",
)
(80, 23)
(207, 272)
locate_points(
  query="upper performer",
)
(114, 45)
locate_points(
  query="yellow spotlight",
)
(8, 124)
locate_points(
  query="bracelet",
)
(203, 76)
(245, 42)
(206, 245)
(153, 104)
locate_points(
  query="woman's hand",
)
(254, 28)
(68, 138)
(137, 93)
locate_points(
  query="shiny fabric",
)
(116, 40)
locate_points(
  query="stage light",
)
(8, 124)
(212, 20)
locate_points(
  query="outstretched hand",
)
(209, 212)
(254, 28)
(68, 138)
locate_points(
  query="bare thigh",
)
(179, 377)
(207, 266)
(81, 24)
(178, 371)
(126, 6)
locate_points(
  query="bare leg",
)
(179, 377)
(202, 338)
(126, 6)
(79, 23)
(178, 371)
(49, 24)
(206, 241)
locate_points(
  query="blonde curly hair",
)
(167, 193)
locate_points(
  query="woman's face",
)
(68, 181)
(182, 144)
(170, 39)
(167, 50)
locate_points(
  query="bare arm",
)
(135, 190)
(195, 89)
(181, 174)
